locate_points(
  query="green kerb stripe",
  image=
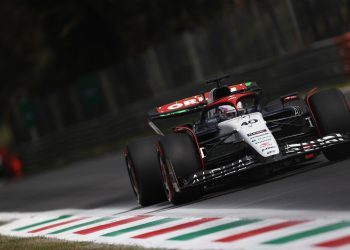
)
(81, 225)
(196, 234)
(42, 222)
(309, 233)
(145, 225)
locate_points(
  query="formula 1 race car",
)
(234, 134)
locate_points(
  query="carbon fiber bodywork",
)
(289, 152)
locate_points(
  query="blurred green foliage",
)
(47, 44)
(5, 134)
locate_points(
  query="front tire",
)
(179, 160)
(144, 172)
(332, 116)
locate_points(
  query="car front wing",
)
(287, 153)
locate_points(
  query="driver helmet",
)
(227, 112)
(246, 105)
(241, 107)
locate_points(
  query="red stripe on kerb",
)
(258, 231)
(57, 225)
(335, 243)
(173, 228)
(112, 224)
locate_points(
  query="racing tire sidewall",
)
(142, 165)
(331, 113)
(178, 159)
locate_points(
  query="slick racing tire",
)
(332, 116)
(179, 159)
(144, 171)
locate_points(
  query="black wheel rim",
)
(167, 187)
(133, 179)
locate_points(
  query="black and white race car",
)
(234, 134)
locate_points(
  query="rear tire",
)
(142, 163)
(332, 116)
(179, 160)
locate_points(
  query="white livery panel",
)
(253, 130)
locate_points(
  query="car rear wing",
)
(195, 103)
(180, 107)
(192, 104)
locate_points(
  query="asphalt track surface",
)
(318, 185)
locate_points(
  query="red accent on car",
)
(232, 99)
(290, 98)
(190, 131)
(307, 100)
(194, 100)
(309, 156)
(164, 174)
(184, 103)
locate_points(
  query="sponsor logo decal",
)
(314, 145)
(257, 132)
(228, 169)
(197, 99)
(250, 122)
(184, 103)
